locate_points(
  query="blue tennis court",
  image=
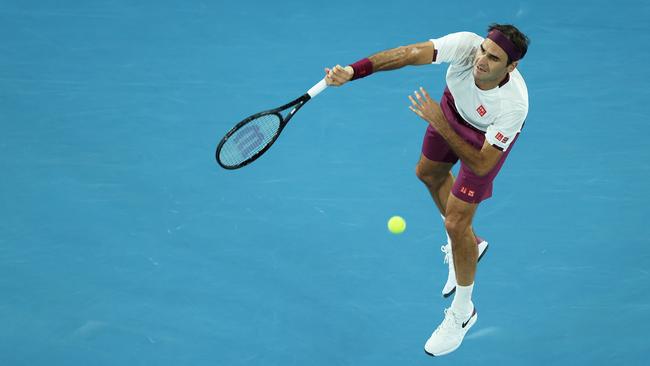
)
(123, 243)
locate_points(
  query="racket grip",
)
(316, 89)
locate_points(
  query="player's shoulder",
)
(457, 48)
(466, 37)
(468, 34)
(515, 91)
(518, 79)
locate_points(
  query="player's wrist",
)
(361, 68)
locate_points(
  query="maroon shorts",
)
(468, 186)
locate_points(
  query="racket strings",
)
(249, 139)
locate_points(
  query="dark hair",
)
(514, 35)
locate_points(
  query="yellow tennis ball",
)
(396, 225)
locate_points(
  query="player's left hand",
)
(428, 109)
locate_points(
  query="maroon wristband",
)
(362, 68)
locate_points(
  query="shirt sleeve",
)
(456, 48)
(506, 128)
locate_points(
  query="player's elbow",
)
(408, 55)
(418, 54)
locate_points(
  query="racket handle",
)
(316, 89)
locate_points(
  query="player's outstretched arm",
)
(394, 58)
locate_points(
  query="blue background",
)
(122, 241)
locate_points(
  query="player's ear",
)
(512, 66)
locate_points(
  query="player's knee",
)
(430, 177)
(456, 224)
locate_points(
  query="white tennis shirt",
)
(499, 112)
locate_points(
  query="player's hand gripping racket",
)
(253, 136)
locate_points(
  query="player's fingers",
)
(340, 73)
(424, 101)
(418, 100)
(425, 94)
(337, 77)
(415, 104)
(328, 78)
(415, 111)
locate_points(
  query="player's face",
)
(490, 62)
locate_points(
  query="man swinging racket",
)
(477, 120)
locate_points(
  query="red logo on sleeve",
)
(499, 136)
(481, 110)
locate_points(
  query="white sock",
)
(462, 303)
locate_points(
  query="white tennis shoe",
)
(450, 286)
(450, 333)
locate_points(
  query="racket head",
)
(249, 139)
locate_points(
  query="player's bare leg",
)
(438, 179)
(462, 315)
(458, 223)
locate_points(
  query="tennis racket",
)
(253, 136)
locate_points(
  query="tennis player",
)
(478, 120)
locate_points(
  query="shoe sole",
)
(487, 246)
(469, 325)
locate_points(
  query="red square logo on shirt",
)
(481, 110)
(499, 136)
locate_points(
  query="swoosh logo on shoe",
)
(470, 318)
